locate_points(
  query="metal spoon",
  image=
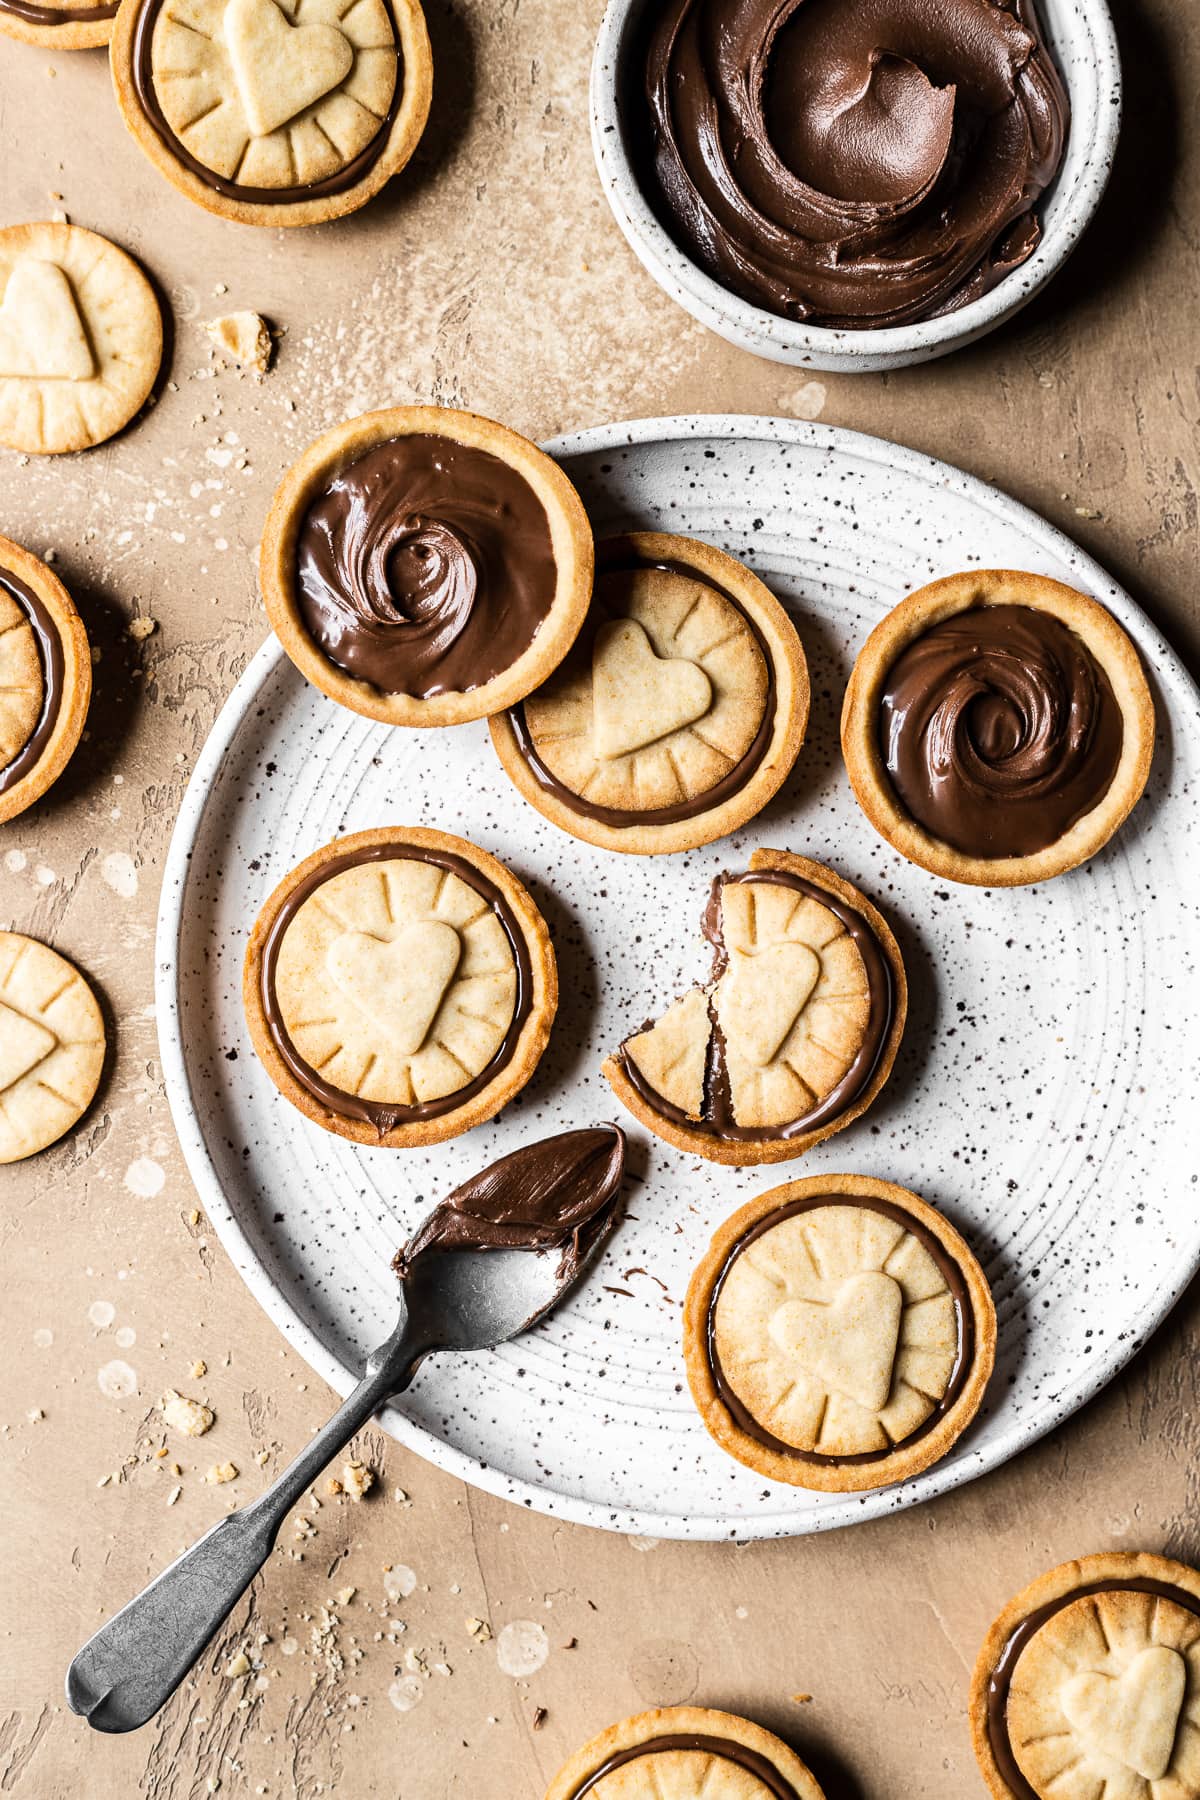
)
(452, 1300)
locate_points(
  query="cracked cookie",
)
(45, 678)
(796, 1031)
(998, 727)
(678, 713)
(685, 1753)
(52, 1046)
(839, 1334)
(400, 986)
(274, 112)
(1089, 1683)
(425, 566)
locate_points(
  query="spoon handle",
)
(134, 1663)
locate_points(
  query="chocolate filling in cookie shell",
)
(386, 1116)
(734, 779)
(718, 1119)
(348, 176)
(947, 1267)
(425, 567)
(1001, 1677)
(55, 15)
(853, 163)
(50, 656)
(999, 730)
(726, 1749)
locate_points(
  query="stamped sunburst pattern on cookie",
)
(837, 1331)
(663, 698)
(51, 1046)
(1105, 1700)
(274, 93)
(680, 1775)
(396, 982)
(22, 684)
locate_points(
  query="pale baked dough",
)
(72, 34)
(22, 689)
(681, 1774)
(21, 681)
(51, 1046)
(80, 338)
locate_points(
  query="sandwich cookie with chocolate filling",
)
(838, 1334)
(1088, 1684)
(998, 727)
(400, 986)
(425, 566)
(80, 338)
(45, 678)
(685, 1753)
(795, 1032)
(66, 25)
(678, 713)
(274, 112)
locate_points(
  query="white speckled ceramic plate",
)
(1044, 1096)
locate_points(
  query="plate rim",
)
(847, 1509)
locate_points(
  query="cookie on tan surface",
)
(1089, 1683)
(58, 24)
(80, 338)
(795, 1032)
(425, 566)
(45, 678)
(679, 712)
(51, 1046)
(685, 1753)
(274, 112)
(838, 1334)
(400, 986)
(998, 727)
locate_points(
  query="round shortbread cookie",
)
(45, 678)
(58, 24)
(685, 1753)
(80, 338)
(52, 1046)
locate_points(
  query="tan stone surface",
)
(490, 276)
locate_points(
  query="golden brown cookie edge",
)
(48, 1143)
(77, 679)
(665, 1721)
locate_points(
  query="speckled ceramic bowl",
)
(1081, 36)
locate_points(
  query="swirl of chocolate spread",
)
(557, 1194)
(425, 567)
(852, 163)
(726, 1749)
(999, 730)
(50, 655)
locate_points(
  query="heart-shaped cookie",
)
(638, 696)
(23, 1045)
(761, 995)
(1133, 1717)
(41, 333)
(850, 1344)
(281, 68)
(400, 983)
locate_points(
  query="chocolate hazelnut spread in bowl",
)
(853, 184)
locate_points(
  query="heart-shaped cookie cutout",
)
(281, 68)
(1133, 1717)
(637, 695)
(41, 333)
(850, 1345)
(23, 1045)
(761, 995)
(399, 983)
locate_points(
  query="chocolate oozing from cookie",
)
(725, 1749)
(50, 657)
(425, 567)
(852, 163)
(615, 558)
(956, 1285)
(385, 1116)
(717, 1116)
(557, 1194)
(999, 730)
(1000, 1680)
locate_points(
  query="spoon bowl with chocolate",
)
(488, 1263)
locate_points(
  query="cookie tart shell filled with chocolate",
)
(795, 1031)
(45, 678)
(400, 986)
(269, 117)
(678, 713)
(998, 727)
(839, 1334)
(1088, 1684)
(64, 27)
(425, 566)
(685, 1753)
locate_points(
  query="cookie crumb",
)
(801, 1699)
(245, 337)
(191, 1417)
(238, 1665)
(140, 628)
(220, 1473)
(480, 1630)
(357, 1479)
(539, 1718)
(198, 1370)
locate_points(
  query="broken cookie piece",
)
(245, 338)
